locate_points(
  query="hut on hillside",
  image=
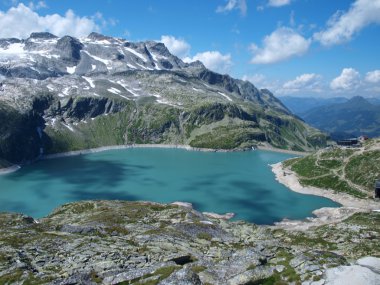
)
(349, 142)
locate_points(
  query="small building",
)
(363, 138)
(348, 142)
(377, 189)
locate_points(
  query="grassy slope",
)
(352, 171)
(210, 125)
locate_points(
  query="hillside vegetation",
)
(352, 170)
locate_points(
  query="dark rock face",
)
(44, 35)
(69, 49)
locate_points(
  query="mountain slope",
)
(353, 171)
(352, 118)
(97, 91)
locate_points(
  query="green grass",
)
(364, 169)
(306, 167)
(334, 183)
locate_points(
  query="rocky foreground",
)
(114, 242)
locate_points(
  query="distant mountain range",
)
(63, 94)
(341, 117)
(300, 105)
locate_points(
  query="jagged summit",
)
(42, 35)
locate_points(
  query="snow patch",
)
(136, 53)
(69, 127)
(93, 67)
(71, 69)
(105, 61)
(225, 96)
(114, 90)
(65, 91)
(90, 81)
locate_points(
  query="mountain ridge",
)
(355, 117)
(99, 90)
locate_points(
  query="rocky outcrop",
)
(109, 242)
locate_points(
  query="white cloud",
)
(309, 82)
(256, 79)
(348, 80)
(178, 47)
(341, 27)
(233, 4)
(38, 5)
(280, 45)
(21, 21)
(373, 76)
(278, 3)
(213, 60)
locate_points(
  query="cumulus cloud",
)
(341, 27)
(213, 60)
(278, 3)
(232, 5)
(373, 76)
(282, 44)
(256, 79)
(21, 21)
(305, 82)
(178, 47)
(349, 79)
(38, 5)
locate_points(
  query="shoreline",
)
(9, 169)
(119, 147)
(14, 168)
(268, 148)
(326, 215)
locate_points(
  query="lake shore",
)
(349, 204)
(116, 147)
(269, 148)
(176, 146)
(14, 168)
(10, 169)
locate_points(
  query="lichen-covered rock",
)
(110, 242)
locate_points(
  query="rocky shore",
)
(349, 203)
(118, 242)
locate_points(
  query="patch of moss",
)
(205, 236)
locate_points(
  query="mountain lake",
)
(220, 182)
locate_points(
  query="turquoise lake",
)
(238, 182)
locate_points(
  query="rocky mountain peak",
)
(70, 48)
(42, 35)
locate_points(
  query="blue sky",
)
(319, 48)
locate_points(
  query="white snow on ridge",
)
(105, 61)
(13, 49)
(225, 96)
(114, 90)
(66, 91)
(71, 69)
(68, 126)
(136, 53)
(90, 81)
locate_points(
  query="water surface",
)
(239, 182)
